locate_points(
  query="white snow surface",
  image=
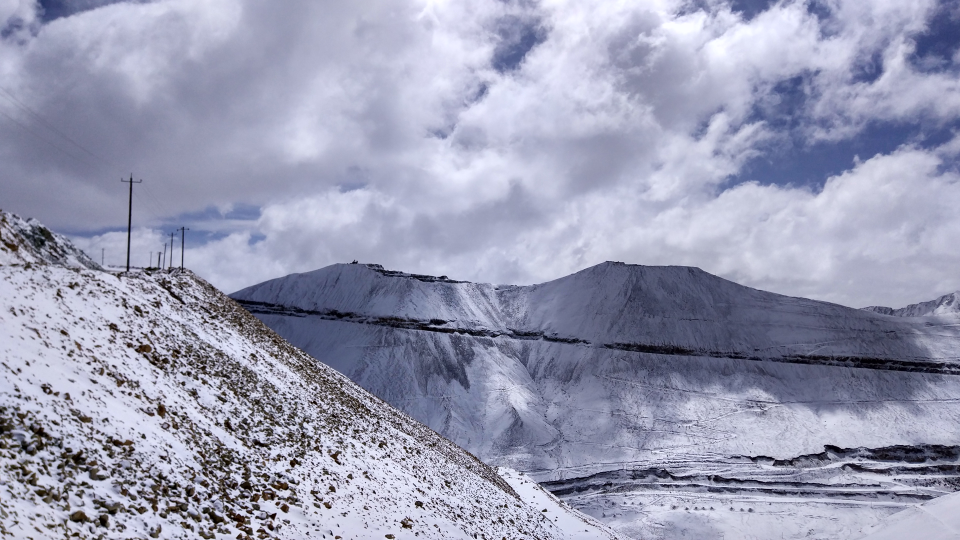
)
(151, 405)
(938, 519)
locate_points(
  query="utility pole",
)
(158, 259)
(171, 249)
(164, 256)
(130, 214)
(183, 234)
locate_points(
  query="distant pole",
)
(164, 256)
(130, 214)
(158, 260)
(183, 234)
(171, 249)
(101, 256)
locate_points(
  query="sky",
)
(808, 148)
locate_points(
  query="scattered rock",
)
(80, 517)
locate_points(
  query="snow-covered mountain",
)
(671, 374)
(151, 405)
(948, 304)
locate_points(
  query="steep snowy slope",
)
(151, 405)
(665, 371)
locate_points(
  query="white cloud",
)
(383, 132)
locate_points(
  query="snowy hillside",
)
(667, 373)
(151, 405)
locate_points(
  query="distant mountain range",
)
(948, 304)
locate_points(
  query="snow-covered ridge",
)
(28, 241)
(657, 310)
(948, 304)
(151, 405)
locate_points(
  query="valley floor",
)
(838, 494)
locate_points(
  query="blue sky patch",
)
(749, 9)
(517, 37)
(936, 47)
(794, 163)
(244, 212)
(55, 9)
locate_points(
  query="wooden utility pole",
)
(171, 249)
(130, 214)
(164, 256)
(183, 234)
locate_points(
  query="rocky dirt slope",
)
(151, 405)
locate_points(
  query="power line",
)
(154, 206)
(160, 206)
(28, 110)
(148, 207)
(44, 139)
